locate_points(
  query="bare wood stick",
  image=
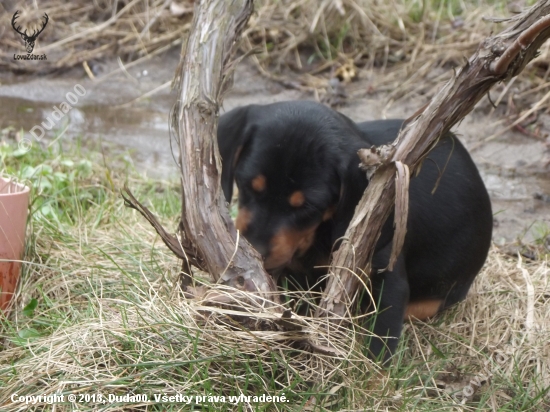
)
(497, 59)
(182, 251)
(203, 76)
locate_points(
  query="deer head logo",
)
(29, 39)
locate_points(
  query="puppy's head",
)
(295, 166)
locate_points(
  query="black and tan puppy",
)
(296, 168)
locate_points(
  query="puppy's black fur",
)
(296, 168)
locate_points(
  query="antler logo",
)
(29, 39)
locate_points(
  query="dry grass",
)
(109, 319)
(83, 32)
(493, 348)
(307, 36)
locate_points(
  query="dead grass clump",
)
(492, 350)
(307, 35)
(99, 312)
(111, 320)
(84, 32)
(118, 328)
(410, 44)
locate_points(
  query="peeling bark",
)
(204, 74)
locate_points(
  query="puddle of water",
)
(140, 130)
(506, 164)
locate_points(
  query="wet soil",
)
(514, 166)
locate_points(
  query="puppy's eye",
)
(297, 199)
(258, 183)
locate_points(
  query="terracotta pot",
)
(14, 204)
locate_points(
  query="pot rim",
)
(20, 188)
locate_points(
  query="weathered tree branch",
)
(497, 59)
(203, 75)
(208, 238)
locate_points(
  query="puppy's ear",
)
(233, 134)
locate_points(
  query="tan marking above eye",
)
(297, 199)
(259, 183)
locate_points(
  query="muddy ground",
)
(514, 166)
